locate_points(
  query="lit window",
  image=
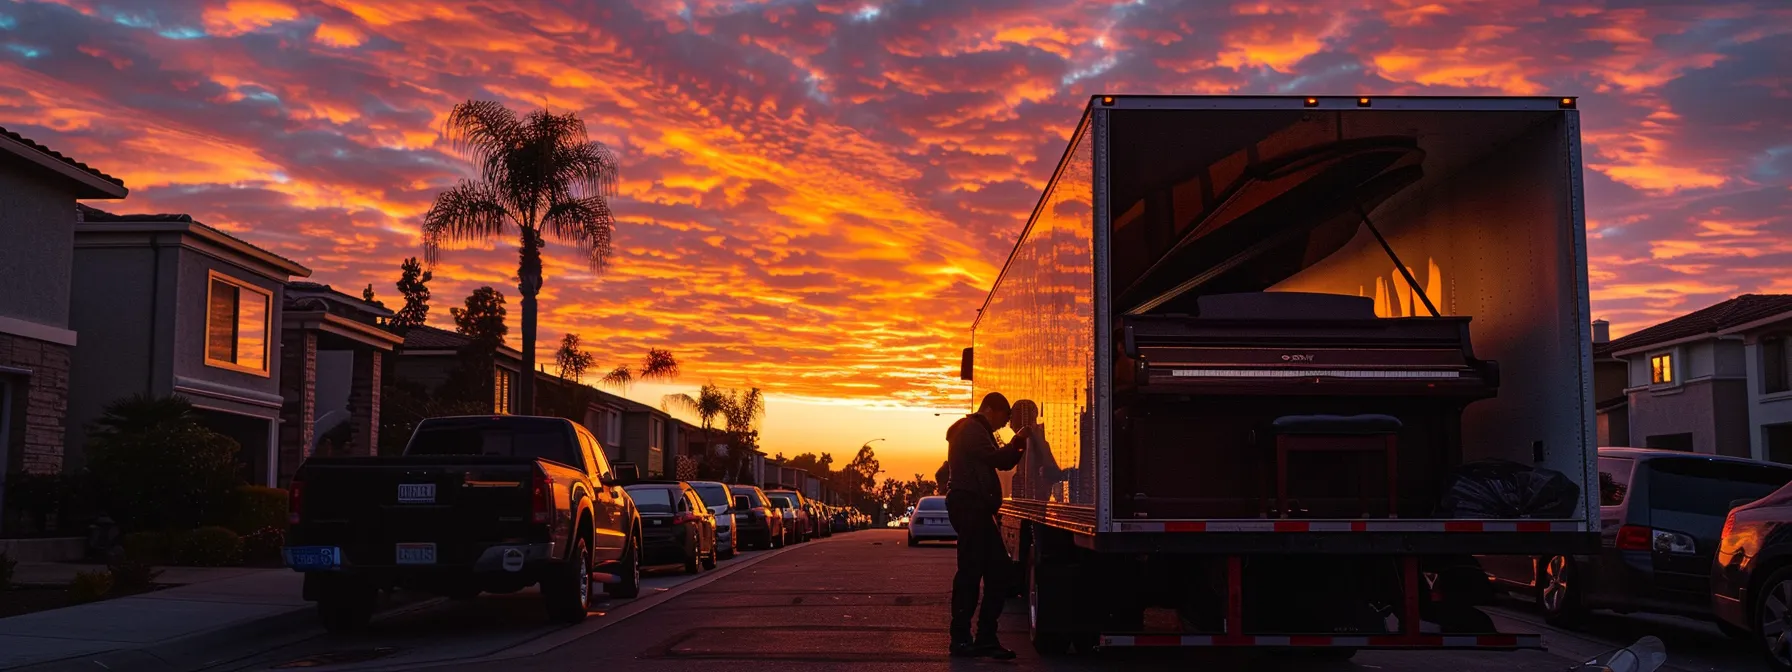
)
(502, 381)
(1661, 369)
(236, 325)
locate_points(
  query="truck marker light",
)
(1362, 102)
(1312, 102)
(1567, 103)
(1107, 100)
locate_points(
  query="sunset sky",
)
(816, 195)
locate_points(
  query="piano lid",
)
(1278, 217)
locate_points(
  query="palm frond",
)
(591, 167)
(619, 378)
(659, 365)
(585, 221)
(483, 131)
(680, 401)
(468, 211)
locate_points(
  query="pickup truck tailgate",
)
(370, 507)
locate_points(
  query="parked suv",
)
(676, 527)
(1661, 513)
(792, 501)
(757, 524)
(721, 503)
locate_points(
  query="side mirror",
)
(743, 502)
(627, 472)
(964, 364)
(609, 480)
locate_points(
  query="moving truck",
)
(1296, 364)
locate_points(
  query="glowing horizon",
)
(816, 195)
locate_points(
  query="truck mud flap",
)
(1494, 642)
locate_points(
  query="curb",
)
(217, 646)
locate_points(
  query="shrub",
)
(263, 546)
(259, 507)
(147, 547)
(90, 586)
(7, 565)
(154, 466)
(132, 575)
(209, 546)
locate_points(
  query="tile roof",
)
(430, 338)
(28, 142)
(1726, 315)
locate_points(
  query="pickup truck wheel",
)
(567, 589)
(346, 609)
(629, 573)
(709, 561)
(693, 563)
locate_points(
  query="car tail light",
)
(295, 500)
(686, 517)
(1729, 526)
(1635, 538)
(543, 496)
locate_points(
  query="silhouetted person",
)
(1039, 473)
(972, 499)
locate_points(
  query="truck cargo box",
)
(1208, 281)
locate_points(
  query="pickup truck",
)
(475, 504)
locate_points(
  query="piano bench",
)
(1337, 434)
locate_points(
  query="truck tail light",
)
(295, 500)
(543, 496)
(1635, 538)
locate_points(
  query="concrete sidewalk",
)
(164, 629)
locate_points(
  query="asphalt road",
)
(863, 600)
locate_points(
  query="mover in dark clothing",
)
(972, 498)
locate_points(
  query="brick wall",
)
(298, 385)
(45, 405)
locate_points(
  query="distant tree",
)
(657, 364)
(413, 284)
(572, 360)
(860, 475)
(483, 318)
(536, 173)
(821, 467)
(367, 294)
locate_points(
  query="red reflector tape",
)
(1462, 527)
(1185, 527)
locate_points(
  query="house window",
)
(236, 325)
(502, 381)
(1661, 369)
(1775, 376)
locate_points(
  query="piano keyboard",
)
(1310, 373)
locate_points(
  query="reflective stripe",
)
(1260, 525)
(1498, 641)
(1310, 373)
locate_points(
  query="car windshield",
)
(1707, 487)
(713, 496)
(651, 499)
(542, 441)
(932, 504)
(781, 501)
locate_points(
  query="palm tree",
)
(710, 403)
(539, 172)
(657, 364)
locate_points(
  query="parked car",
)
(757, 523)
(676, 526)
(1661, 513)
(1751, 577)
(930, 522)
(721, 503)
(793, 517)
(805, 523)
(819, 516)
(474, 504)
(841, 520)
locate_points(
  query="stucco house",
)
(1611, 377)
(430, 356)
(1714, 380)
(333, 357)
(172, 306)
(38, 189)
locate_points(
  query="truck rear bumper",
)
(496, 559)
(1358, 543)
(1485, 642)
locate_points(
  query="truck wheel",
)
(1559, 591)
(346, 608)
(629, 573)
(567, 588)
(1044, 643)
(709, 561)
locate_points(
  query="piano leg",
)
(1392, 456)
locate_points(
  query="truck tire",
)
(346, 607)
(693, 563)
(567, 587)
(628, 584)
(709, 561)
(1044, 643)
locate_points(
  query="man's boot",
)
(989, 647)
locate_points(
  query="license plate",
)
(417, 493)
(416, 554)
(313, 558)
(657, 522)
(933, 521)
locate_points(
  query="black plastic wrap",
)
(1500, 489)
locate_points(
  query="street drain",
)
(337, 658)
